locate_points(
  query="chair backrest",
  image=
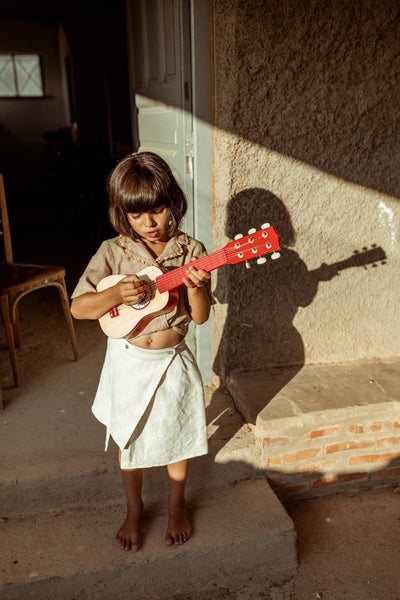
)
(4, 223)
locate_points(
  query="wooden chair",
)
(19, 279)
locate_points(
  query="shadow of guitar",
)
(373, 256)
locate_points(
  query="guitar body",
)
(125, 319)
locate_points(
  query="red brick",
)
(318, 467)
(277, 478)
(386, 473)
(344, 446)
(326, 480)
(387, 442)
(338, 479)
(383, 425)
(356, 429)
(274, 461)
(291, 490)
(272, 442)
(373, 427)
(322, 433)
(301, 455)
(371, 459)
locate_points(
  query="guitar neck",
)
(173, 279)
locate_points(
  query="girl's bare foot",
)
(179, 529)
(129, 535)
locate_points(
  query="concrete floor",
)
(348, 545)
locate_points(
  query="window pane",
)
(7, 83)
(29, 77)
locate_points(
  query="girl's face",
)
(152, 225)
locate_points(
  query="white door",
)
(160, 63)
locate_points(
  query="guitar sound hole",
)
(145, 301)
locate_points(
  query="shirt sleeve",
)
(99, 266)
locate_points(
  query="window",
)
(20, 75)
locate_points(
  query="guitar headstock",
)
(253, 245)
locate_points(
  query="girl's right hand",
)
(93, 305)
(131, 289)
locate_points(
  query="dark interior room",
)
(59, 141)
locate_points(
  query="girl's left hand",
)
(196, 278)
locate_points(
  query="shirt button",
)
(127, 346)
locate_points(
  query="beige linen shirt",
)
(124, 256)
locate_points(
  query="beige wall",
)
(307, 138)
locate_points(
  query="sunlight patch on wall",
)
(386, 217)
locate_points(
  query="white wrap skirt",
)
(152, 404)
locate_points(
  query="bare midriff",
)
(158, 340)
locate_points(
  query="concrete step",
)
(241, 533)
(50, 476)
(289, 396)
(102, 482)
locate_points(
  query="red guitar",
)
(161, 295)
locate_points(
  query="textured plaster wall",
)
(307, 138)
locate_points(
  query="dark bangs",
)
(142, 182)
(141, 192)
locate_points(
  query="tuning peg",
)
(275, 255)
(250, 231)
(238, 236)
(261, 260)
(265, 226)
(248, 265)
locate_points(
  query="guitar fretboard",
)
(173, 279)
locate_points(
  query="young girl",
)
(150, 393)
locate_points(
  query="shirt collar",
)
(138, 252)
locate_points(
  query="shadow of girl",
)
(259, 333)
(260, 350)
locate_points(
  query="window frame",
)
(16, 80)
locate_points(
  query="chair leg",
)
(68, 317)
(5, 311)
(16, 328)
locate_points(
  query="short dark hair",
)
(140, 182)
